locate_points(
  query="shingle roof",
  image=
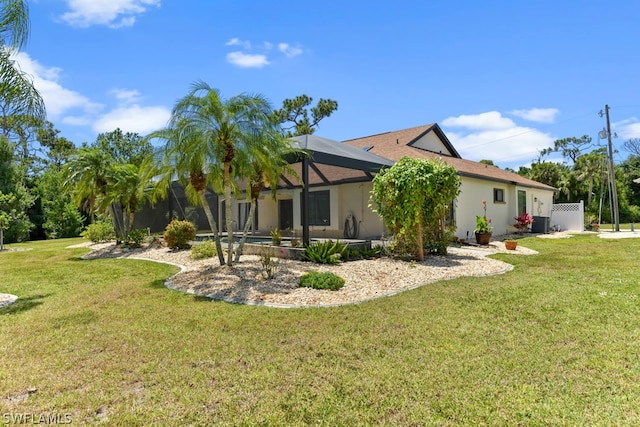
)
(397, 144)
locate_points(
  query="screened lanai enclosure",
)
(330, 194)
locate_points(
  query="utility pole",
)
(614, 189)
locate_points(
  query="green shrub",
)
(318, 280)
(276, 237)
(179, 233)
(363, 253)
(135, 238)
(327, 252)
(99, 232)
(269, 265)
(206, 249)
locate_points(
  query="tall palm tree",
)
(588, 167)
(18, 96)
(185, 158)
(224, 133)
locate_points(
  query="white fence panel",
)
(567, 216)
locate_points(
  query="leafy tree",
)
(16, 199)
(549, 173)
(588, 168)
(61, 216)
(124, 147)
(213, 138)
(570, 148)
(488, 162)
(413, 197)
(295, 113)
(57, 149)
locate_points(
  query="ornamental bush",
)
(101, 231)
(206, 249)
(135, 238)
(179, 233)
(325, 280)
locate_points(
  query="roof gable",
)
(427, 137)
(410, 142)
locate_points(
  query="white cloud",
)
(627, 128)
(494, 137)
(237, 42)
(57, 99)
(246, 60)
(112, 13)
(72, 108)
(538, 115)
(488, 120)
(126, 96)
(133, 118)
(288, 50)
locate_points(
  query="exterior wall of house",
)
(502, 213)
(344, 199)
(431, 142)
(354, 199)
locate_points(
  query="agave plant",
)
(327, 252)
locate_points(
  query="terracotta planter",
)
(510, 245)
(483, 238)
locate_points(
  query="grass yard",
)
(556, 341)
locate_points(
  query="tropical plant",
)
(130, 186)
(269, 265)
(327, 252)
(321, 280)
(18, 97)
(206, 249)
(269, 161)
(523, 221)
(87, 175)
(482, 222)
(179, 234)
(99, 231)
(135, 238)
(213, 139)
(276, 236)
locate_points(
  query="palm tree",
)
(186, 158)
(14, 23)
(588, 167)
(130, 186)
(217, 137)
(87, 177)
(270, 160)
(18, 96)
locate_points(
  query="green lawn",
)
(556, 341)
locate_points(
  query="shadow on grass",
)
(24, 304)
(157, 284)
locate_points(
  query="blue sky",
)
(503, 79)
